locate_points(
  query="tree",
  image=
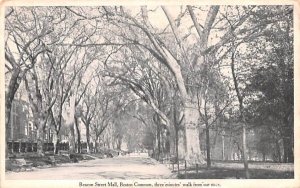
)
(88, 113)
(244, 62)
(22, 47)
(175, 64)
(36, 44)
(212, 99)
(109, 102)
(61, 64)
(272, 82)
(241, 115)
(178, 127)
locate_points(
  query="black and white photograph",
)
(148, 92)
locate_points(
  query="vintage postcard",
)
(149, 94)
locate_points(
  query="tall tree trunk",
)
(78, 135)
(72, 138)
(278, 151)
(155, 146)
(193, 153)
(288, 139)
(119, 143)
(70, 123)
(8, 105)
(288, 154)
(40, 123)
(40, 142)
(208, 161)
(96, 144)
(176, 127)
(157, 137)
(56, 143)
(176, 145)
(158, 142)
(242, 118)
(223, 148)
(264, 156)
(245, 154)
(88, 145)
(181, 143)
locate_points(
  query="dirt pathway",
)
(112, 168)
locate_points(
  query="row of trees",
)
(202, 67)
(57, 78)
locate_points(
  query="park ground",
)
(235, 170)
(142, 167)
(124, 167)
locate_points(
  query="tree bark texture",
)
(78, 135)
(193, 152)
(87, 129)
(208, 160)
(70, 123)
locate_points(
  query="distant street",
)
(128, 167)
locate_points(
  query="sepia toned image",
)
(164, 92)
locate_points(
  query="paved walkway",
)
(128, 167)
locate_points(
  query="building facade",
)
(21, 126)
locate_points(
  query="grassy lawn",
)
(42, 161)
(234, 170)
